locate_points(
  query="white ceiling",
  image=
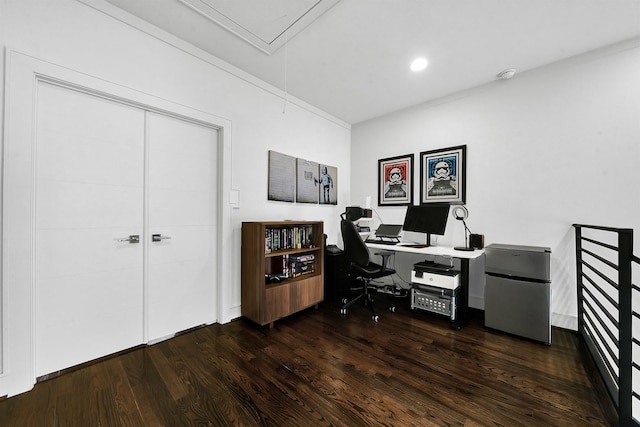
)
(352, 59)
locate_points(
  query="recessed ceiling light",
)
(419, 64)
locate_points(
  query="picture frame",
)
(443, 175)
(307, 181)
(328, 184)
(281, 180)
(395, 181)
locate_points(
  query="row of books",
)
(278, 239)
(297, 265)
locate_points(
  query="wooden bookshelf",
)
(282, 268)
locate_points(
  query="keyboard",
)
(381, 242)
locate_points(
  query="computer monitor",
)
(427, 219)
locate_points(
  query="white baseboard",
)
(564, 321)
(476, 302)
(230, 314)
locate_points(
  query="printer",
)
(446, 279)
(435, 288)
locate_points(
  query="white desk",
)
(429, 250)
(463, 256)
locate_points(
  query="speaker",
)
(476, 241)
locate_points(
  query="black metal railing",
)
(605, 265)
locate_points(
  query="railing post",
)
(620, 385)
(625, 253)
(579, 278)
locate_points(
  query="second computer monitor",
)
(427, 219)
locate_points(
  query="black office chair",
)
(360, 266)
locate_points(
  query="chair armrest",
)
(385, 258)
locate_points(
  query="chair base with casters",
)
(366, 296)
(361, 267)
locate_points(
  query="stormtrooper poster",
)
(442, 175)
(395, 181)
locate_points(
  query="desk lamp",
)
(461, 213)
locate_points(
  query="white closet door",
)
(89, 194)
(182, 213)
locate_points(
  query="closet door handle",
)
(133, 238)
(159, 237)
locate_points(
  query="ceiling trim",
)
(281, 28)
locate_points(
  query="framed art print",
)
(282, 177)
(306, 181)
(328, 184)
(443, 175)
(395, 181)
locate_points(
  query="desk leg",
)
(463, 296)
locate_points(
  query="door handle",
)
(133, 238)
(159, 237)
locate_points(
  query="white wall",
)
(77, 36)
(552, 147)
(124, 51)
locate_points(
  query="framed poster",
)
(307, 181)
(395, 181)
(282, 177)
(328, 183)
(443, 175)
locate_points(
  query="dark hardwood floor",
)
(319, 368)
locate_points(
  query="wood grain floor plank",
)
(319, 368)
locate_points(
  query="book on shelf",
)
(284, 238)
(267, 241)
(297, 265)
(302, 264)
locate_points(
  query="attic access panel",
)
(262, 23)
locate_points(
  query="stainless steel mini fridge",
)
(517, 297)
